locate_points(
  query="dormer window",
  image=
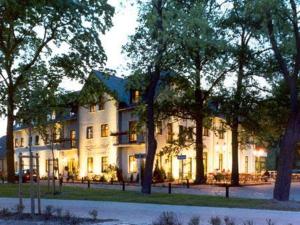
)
(101, 104)
(135, 96)
(37, 140)
(93, 108)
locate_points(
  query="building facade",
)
(106, 134)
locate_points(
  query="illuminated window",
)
(169, 132)
(104, 164)
(220, 161)
(73, 138)
(205, 132)
(132, 165)
(47, 165)
(132, 131)
(104, 130)
(89, 132)
(135, 96)
(93, 108)
(90, 164)
(246, 164)
(260, 164)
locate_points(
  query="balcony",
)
(125, 139)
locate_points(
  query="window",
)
(205, 132)
(37, 140)
(16, 142)
(93, 108)
(205, 162)
(132, 164)
(73, 138)
(104, 164)
(132, 131)
(135, 96)
(89, 132)
(181, 135)
(169, 132)
(101, 104)
(220, 161)
(90, 164)
(104, 130)
(22, 142)
(190, 133)
(47, 141)
(221, 134)
(47, 165)
(159, 128)
(260, 164)
(246, 164)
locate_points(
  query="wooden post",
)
(89, 183)
(38, 183)
(170, 188)
(31, 184)
(82, 181)
(187, 183)
(227, 191)
(123, 186)
(20, 180)
(48, 167)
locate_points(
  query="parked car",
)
(26, 176)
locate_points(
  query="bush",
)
(103, 179)
(167, 218)
(215, 221)
(119, 174)
(159, 175)
(94, 214)
(219, 177)
(194, 221)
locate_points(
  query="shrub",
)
(20, 208)
(194, 221)
(94, 214)
(48, 213)
(119, 174)
(58, 212)
(103, 179)
(248, 222)
(4, 212)
(228, 221)
(269, 222)
(167, 218)
(219, 177)
(159, 175)
(215, 221)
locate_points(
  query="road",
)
(144, 214)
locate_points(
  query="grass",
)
(78, 193)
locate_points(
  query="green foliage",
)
(159, 175)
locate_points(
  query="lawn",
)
(78, 193)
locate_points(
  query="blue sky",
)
(124, 25)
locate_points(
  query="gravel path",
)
(144, 214)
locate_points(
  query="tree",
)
(31, 35)
(282, 28)
(147, 48)
(201, 63)
(246, 51)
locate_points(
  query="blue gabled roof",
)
(115, 84)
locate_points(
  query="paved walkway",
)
(264, 191)
(144, 214)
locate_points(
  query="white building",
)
(104, 134)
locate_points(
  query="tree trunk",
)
(235, 153)
(151, 150)
(10, 138)
(200, 177)
(288, 147)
